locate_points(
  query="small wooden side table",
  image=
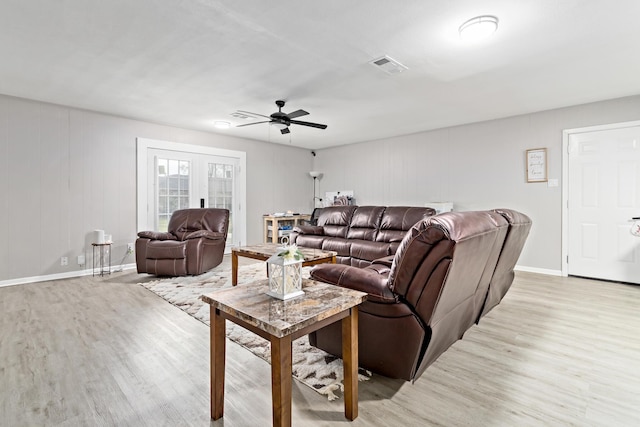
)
(100, 249)
(282, 322)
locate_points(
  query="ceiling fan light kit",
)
(278, 125)
(282, 120)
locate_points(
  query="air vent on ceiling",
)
(388, 65)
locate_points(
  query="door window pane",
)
(220, 177)
(173, 189)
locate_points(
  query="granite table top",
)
(279, 318)
(268, 249)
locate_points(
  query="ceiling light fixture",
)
(478, 28)
(222, 125)
(278, 125)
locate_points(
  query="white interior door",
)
(603, 196)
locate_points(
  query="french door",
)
(178, 179)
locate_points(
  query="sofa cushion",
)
(369, 251)
(337, 244)
(365, 222)
(185, 221)
(397, 220)
(167, 249)
(335, 221)
(310, 241)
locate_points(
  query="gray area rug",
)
(311, 366)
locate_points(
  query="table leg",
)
(350, 362)
(217, 350)
(234, 268)
(281, 380)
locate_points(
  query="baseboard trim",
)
(546, 271)
(58, 276)
(89, 272)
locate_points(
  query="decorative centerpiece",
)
(285, 273)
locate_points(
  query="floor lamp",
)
(315, 175)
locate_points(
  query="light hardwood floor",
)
(106, 351)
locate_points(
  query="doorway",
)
(175, 176)
(602, 195)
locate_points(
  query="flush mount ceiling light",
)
(478, 28)
(222, 125)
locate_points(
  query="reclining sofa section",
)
(448, 272)
(359, 234)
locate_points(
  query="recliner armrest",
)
(157, 235)
(206, 234)
(385, 261)
(359, 279)
(309, 230)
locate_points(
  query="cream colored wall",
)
(65, 172)
(476, 166)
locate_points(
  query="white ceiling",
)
(188, 63)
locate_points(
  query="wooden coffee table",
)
(264, 251)
(282, 322)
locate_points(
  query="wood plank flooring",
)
(107, 352)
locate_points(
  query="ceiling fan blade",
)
(285, 131)
(254, 123)
(253, 114)
(297, 113)
(313, 125)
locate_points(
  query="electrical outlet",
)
(81, 260)
(64, 261)
(129, 248)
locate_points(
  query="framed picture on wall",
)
(537, 165)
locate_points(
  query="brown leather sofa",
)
(449, 271)
(359, 234)
(193, 244)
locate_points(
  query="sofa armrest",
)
(157, 235)
(206, 234)
(359, 279)
(309, 230)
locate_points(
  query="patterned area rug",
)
(311, 366)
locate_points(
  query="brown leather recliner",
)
(423, 299)
(193, 244)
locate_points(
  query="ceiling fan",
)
(282, 120)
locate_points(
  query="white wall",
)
(476, 166)
(65, 172)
